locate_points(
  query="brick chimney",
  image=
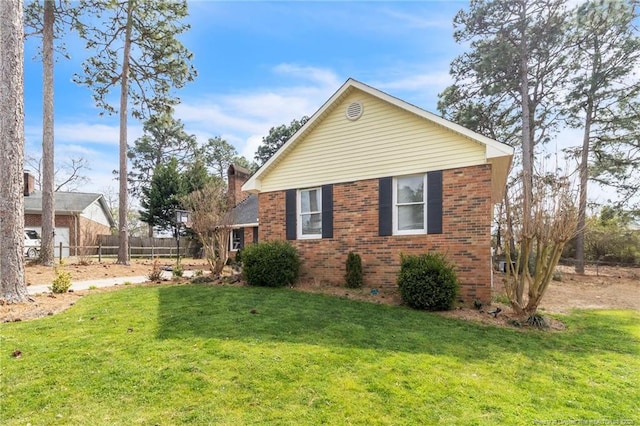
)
(236, 176)
(29, 184)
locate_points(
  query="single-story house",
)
(375, 175)
(78, 217)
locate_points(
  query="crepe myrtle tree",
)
(532, 252)
(211, 220)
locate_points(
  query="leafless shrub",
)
(211, 220)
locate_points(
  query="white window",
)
(409, 210)
(236, 239)
(310, 213)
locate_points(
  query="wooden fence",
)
(138, 247)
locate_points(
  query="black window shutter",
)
(327, 211)
(255, 234)
(240, 238)
(385, 206)
(434, 202)
(290, 214)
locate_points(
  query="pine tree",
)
(138, 51)
(12, 279)
(606, 53)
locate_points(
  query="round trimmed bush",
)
(428, 282)
(270, 264)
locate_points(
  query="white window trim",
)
(397, 231)
(301, 236)
(231, 239)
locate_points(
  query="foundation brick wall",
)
(466, 237)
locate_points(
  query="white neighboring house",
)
(79, 218)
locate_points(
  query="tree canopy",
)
(276, 138)
(164, 137)
(162, 198)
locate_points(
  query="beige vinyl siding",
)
(385, 141)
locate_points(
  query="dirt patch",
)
(598, 288)
(80, 271)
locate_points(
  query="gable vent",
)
(354, 111)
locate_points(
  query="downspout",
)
(77, 221)
(491, 269)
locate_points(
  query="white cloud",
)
(74, 150)
(87, 133)
(210, 118)
(251, 146)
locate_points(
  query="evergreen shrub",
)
(270, 264)
(353, 277)
(428, 282)
(62, 281)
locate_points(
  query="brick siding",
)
(86, 233)
(466, 237)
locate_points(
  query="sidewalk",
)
(102, 282)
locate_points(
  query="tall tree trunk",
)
(584, 177)
(12, 277)
(47, 183)
(123, 249)
(590, 114)
(527, 158)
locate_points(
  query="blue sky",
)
(260, 64)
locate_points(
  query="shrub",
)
(501, 298)
(156, 272)
(177, 271)
(353, 276)
(62, 282)
(270, 264)
(202, 279)
(427, 282)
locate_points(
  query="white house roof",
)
(496, 153)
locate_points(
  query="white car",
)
(31, 243)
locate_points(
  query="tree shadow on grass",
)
(285, 315)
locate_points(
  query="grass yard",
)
(191, 354)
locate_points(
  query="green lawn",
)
(196, 354)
